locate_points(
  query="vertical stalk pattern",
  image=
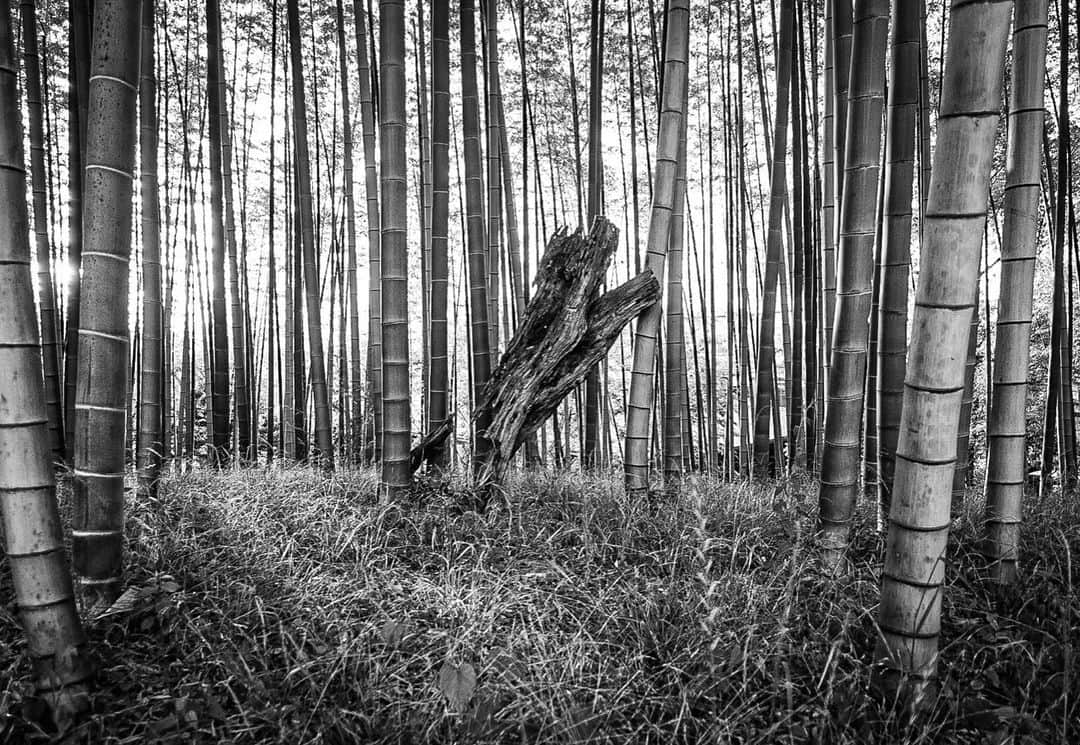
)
(774, 259)
(674, 348)
(438, 384)
(474, 218)
(396, 473)
(371, 190)
(150, 443)
(1006, 469)
(324, 447)
(356, 375)
(219, 358)
(102, 385)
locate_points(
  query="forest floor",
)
(288, 606)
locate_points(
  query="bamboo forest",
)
(539, 371)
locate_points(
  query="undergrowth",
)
(289, 606)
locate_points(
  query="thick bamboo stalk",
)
(101, 394)
(909, 615)
(33, 533)
(840, 461)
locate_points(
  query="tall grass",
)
(289, 606)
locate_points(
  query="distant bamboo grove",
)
(238, 235)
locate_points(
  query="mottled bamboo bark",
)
(33, 533)
(909, 615)
(102, 391)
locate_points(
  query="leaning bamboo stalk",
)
(673, 111)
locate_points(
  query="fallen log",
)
(567, 328)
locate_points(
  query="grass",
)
(288, 606)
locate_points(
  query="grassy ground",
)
(290, 607)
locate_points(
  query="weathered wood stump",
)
(567, 328)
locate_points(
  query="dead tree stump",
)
(567, 328)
